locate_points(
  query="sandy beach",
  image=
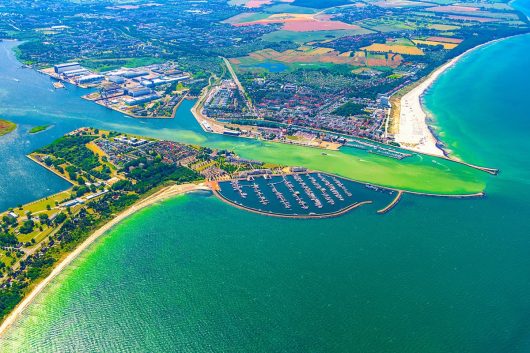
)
(414, 133)
(160, 195)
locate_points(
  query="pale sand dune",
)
(160, 195)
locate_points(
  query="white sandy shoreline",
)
(160, 195)
(414, 133)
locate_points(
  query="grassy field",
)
(442, 27)
(387, 25)
(287, 8)
(246, 17)
(305, 37)
(40, 206)
(6, 127)
(321, 57)
(95, 148)
(36, 208)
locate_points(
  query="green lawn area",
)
(246, 17)
(36, 234)
(5, 259)
(251, 64)
(401, 41)
(40, 205)
(387, 25)
(287, 8)
(442, 27)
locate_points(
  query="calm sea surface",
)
(195, 275)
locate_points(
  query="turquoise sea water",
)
(434, 275)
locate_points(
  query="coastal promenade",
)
(160, 195)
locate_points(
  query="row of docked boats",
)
(341, 185)
(331, 187)
(296, 194)
(280, 197)
(308, 191)
(237, 187)
(262, 199)
(318, 188)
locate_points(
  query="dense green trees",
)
(72, 149)
(27, 227)
(8, 239)
(151, 173)
(349, 109)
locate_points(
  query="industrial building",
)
(142, 99)
(60, 68)
(131, 74)
(90, 79)
(76, 72)
(137, 91)
(116, 79)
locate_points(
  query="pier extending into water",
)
(492, 171)
(392, 204)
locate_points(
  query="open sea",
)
(194, 274)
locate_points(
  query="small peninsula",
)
(6, 127)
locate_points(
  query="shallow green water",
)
(433, 275)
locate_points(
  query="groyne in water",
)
(392, 204)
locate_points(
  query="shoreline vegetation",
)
(409, 120)
(160, 195)
(6, 127)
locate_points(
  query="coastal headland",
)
(6, 127)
